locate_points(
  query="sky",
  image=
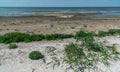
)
(59, 3)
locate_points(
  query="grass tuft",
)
(12, 46)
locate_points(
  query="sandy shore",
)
(47, 23)
(16, 60)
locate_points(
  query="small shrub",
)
(12, 46)
(35, 55)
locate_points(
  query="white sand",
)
(16, 60)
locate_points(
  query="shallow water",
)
(20, 11)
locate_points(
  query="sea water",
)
(20, 11)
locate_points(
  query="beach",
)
(49, 23)
(16, 60)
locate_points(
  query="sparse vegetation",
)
(35, 55)
(58, 36)
(109, 32)
(86, 53)
(12, 46)
(23, 37)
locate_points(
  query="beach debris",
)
(50, 50)
(55, 62)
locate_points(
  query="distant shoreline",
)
(65, 15)
(40, 13)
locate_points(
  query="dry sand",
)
(16, 60)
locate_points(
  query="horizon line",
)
(61, 6)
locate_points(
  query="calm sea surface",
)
(20, 11)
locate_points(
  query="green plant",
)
(58, 36)
(82, 34)
(37, 37)
(74, 53)
(102, 33)
(23, 37)
(35, 55)
(109, 32)
(114, 31)
(12, 46)
(86, 53)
